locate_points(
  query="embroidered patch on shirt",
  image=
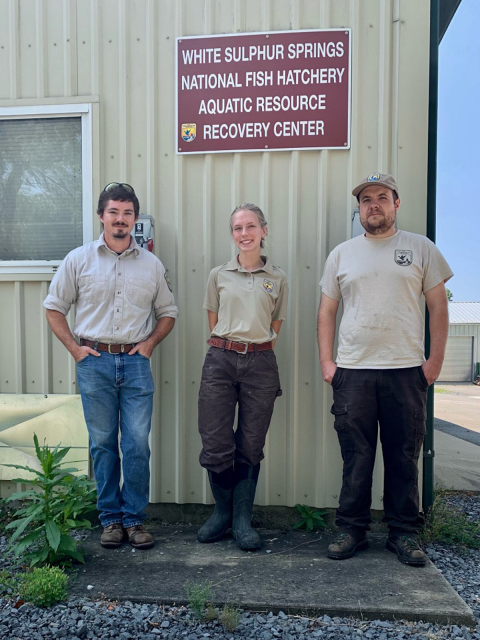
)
(268, 285)
(403, 257)
(168, 282)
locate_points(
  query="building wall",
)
(119, 54)
(468, 330)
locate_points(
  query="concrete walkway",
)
(289, 573)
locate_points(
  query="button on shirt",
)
(118, 298)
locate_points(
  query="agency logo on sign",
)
(189, 132)
(403, 257)
(268, 285)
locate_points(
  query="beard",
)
(119, 232)
(378, 226)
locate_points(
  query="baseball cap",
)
(384, 179)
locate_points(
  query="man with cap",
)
(380, 377)
(124, 308)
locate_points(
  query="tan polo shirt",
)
(246, 303)
(118, 298)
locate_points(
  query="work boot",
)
(112, 536)
(221, 519)
(407, 549)
(243, 496)
(346, 545)
(138, 537)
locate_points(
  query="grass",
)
(441, 390)
(198, 594)
(447, 525)
(229, 616)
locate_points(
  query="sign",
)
(263, 91)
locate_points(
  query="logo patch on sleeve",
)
(168, 282)
(403, 257)
(268, 285)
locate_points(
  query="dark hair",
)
(121, 194)
(395, 194)
(248, 206)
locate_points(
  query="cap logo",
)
(373, 177)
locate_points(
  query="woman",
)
(246, 301)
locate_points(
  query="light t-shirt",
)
(246, 303)
(381, 281)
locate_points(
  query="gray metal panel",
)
(464, 312)
(123, 51)
(458, 363)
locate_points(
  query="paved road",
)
(457, 436)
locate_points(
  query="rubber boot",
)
(245, 485)
(221, 519)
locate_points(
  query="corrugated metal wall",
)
(123, 52)
(468, 330)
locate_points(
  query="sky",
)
(458, 157)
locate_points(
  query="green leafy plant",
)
(448, 525)
(44, 586)
(54, 506)
(229, 616)
(198, 593)
(310, 518)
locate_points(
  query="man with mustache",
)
(124, 308)
(380, 377)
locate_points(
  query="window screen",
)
(40, 188)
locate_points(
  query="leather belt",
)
(239, 347)
(110, 348)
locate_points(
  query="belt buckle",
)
(246, 348)
(110, 352)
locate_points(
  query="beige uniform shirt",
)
(118, 298)
(246, 303)
(380, 282)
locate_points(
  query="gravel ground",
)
(87, 620)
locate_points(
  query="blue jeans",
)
(117, 396)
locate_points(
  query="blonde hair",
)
(248, 206)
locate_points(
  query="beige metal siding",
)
(458, 363)
(468, 330)
(123, 52)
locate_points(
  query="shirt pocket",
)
(93, 289)
(140, 292)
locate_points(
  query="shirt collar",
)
(234, 265)
(133, 248)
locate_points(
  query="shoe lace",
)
(410, 542)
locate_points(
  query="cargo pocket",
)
(347, 446)
(419, 429)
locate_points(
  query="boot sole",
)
(220, 536)
(412, 563)
(111, 545)
(343, 556)
(145, 545)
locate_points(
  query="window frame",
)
(84, 110)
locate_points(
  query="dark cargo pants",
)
(394, 399)
(228, 378)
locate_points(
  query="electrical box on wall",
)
(143, 231)
(357, 229)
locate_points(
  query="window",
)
(45, 185)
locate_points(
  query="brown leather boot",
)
(346, 545)
(112, 536)
(139, 538)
